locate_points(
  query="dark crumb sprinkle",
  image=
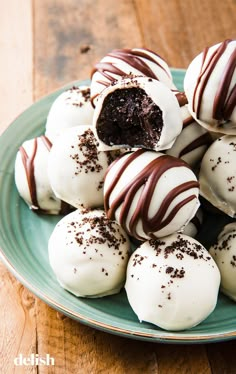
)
(169, 296)
(233, 261)
(159, 306)
(225, 244)
(219, 160)
(179, 248)
(138, 259)
(87, 145)
(75, 270)
(83, 92)
(105, 232)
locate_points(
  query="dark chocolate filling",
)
(130, 118)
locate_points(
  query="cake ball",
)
(193, 141)
(224, 254)
(89, 254)
(137, 112)
(71, 108)
(122, 62)
(172, 283)
(217, 174)
(76, 168)
(150, 194)
(194, 226)
(209, 84)
(32, 180)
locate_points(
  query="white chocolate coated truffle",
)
(89, 254)
(122, 62)
(224, 254)
(217, 175)
(193, 141)
(172, 283)
(209, 85)
(150, 194)
(32, 180)
(137, 112)
(71, 108)
(76, 169)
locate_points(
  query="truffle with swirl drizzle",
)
(32, 180)
(150, 194)
(123, 62)
(210, 86)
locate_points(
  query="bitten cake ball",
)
(89, 254)
(32, 180)
(122, 62)
(150, 194)
(193, 141)
(76, 169)
(224, 254)
(217, 175)
(172, 283)
(71, 108)
(137, 112)
(210, 86)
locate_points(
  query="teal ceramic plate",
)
(24, 236)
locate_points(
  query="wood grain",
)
(179, 30)
(15, 59)
(47, 44)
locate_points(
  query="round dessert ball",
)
(209, 85)
(76, 168)
(89, 254)
(217, 174)
(137, 112)
(193, 141)
(150, 194)
(122, 62)
(224, 254)
(172, 282)
(71, 108)
(31, 177)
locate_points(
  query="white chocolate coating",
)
(71, 108)
(172, 283)
(193, 141)
(31, 176)
(161, 96)
(209, 83)
(135, 61)
(150, 194)
(217, 175)
(76, 169)
(224, 254)
(89, 254)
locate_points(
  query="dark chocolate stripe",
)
(148, 178)
(203, 78)
(28, 163)
(220, 107)
(46, 142)
(204, 139)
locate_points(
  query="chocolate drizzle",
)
(202, 140)
(224, 101)
(148, 178)
(134, 58)
(28, 161)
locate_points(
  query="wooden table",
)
(45, 44)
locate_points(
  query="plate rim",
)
(138, 335)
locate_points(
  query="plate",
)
(24, 236)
